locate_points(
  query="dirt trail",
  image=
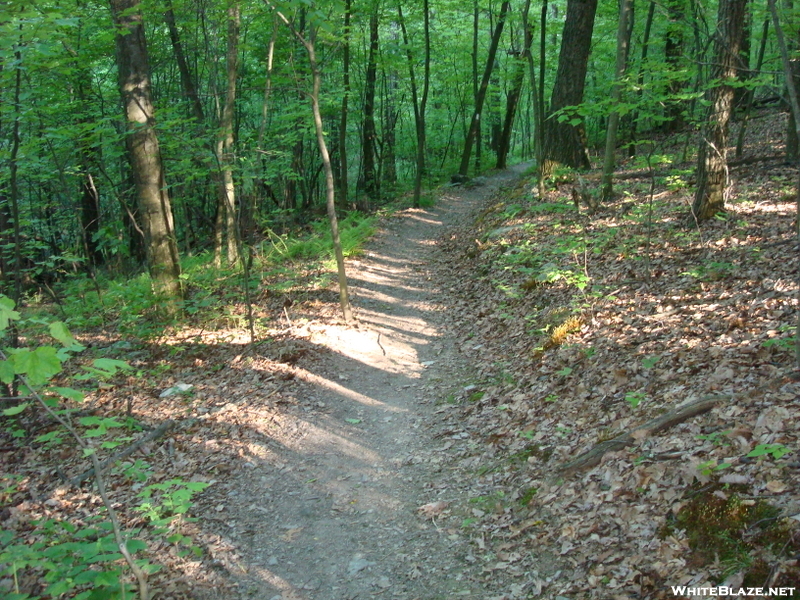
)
(328, 511)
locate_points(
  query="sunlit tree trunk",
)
(225, 143)
(155, 210)
(316, 73)
(712, 164)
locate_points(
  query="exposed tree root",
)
(592, 457)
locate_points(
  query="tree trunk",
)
(316, 74)
(487, 73)
(418, 103)
(512, 101)
(389, 138)
(344, 173)
(634, 116)
(369, 181)
(712, 166)
(187, 83)
(225, 142)
(144, 154)
(565, 143)
(623, 43)
(674, 55)
(751, 93)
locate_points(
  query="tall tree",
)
(144, 154)
(344, 167)
(226, 215)
(712, 163)
(419, 103)
(565, 142)
(369, 179)
(623, 43)
(481, 96)
(316, 74)
(674, 50)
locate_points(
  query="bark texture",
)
(155, 210)
(565, 143)
(712, 167)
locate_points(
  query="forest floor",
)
(424, 453)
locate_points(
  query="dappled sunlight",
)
(342, 391)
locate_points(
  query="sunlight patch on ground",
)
(343, 391)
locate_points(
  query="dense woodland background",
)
(226, 123)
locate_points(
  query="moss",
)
(526, 496)
(732, 530)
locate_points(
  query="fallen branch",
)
(125, 452)
(592, 457)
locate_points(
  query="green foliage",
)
(82, 560)
(635, 398)
(354, 230)
(776, 451)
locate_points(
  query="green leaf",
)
(111, 365)
(565, 371)
(650, 361)
(15, 410)
(39, 365)
(7, 312)
(60, 332)
(103, 368)
(69, 393)
(353, 421)
(775, 450)
(7, 372)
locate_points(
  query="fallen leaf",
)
(432, 509)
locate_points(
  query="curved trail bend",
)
(329, 512)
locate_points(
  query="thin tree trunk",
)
(344, 173)
(634, 117)
(623, 43)
(512, 102)
(540, 163)
(155, 210)
(13, 184)
(189, 89)
(674, 55)
(487, 73)
(369, 182)
(751, 93)
(475, 81)
(225, 144)
(418, 103)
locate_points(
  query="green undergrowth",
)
(281, 265)
(69, 547)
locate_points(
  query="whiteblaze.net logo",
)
(693, 592)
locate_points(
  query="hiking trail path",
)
(330, 510)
